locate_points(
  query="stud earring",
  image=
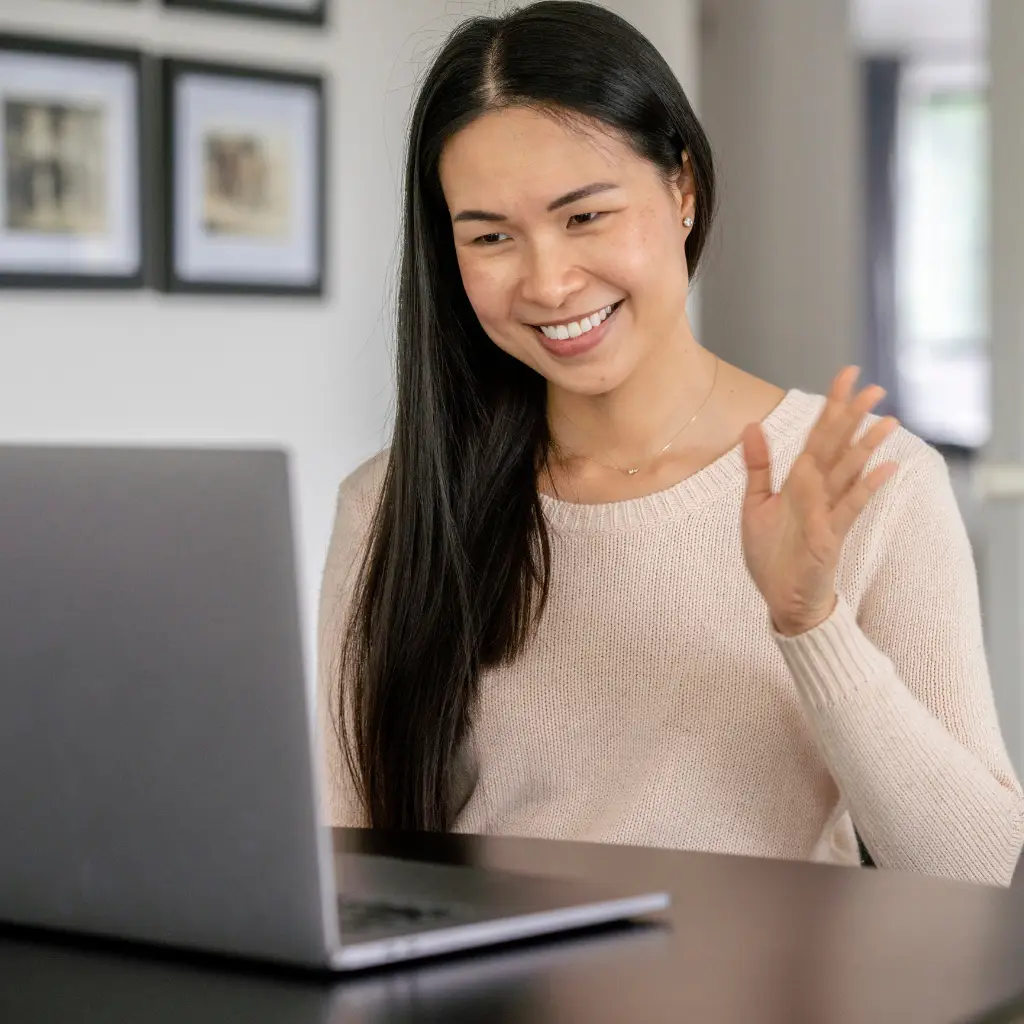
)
(687, 222)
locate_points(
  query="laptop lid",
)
(157, 753)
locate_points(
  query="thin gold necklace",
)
(633, 470)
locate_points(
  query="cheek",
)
(658, 250)
(644, 255)
(486, 287)
(489, 287)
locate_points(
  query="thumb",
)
(759, 467)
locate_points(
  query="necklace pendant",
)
(631, 472)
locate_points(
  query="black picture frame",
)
(169, 274)
(315, 17)
(137, 207)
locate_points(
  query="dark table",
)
(746, 940)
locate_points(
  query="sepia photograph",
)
(244, 203)
(246, 182)
(70, 165)
(54, 167)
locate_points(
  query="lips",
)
(568, 347)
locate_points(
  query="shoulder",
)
(359, 492)
(916, 509)
(357, 500)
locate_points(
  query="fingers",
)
(858, 408)
(844, 411)
(840, 458)
(856, 498)
(843, 384)
(822, 437)
(847, 471)
(758, 460)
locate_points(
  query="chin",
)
(597, 373)
(588, 381)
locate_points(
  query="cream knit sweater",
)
(655, 706)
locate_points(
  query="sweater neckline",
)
(784, 425)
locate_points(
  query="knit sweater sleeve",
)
(357, 497)
(898, 695)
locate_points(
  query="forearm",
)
(919, 798)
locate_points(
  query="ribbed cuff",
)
(921, 800)
(834, 660)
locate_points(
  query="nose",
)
(549, 276)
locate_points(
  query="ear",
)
(684, 188)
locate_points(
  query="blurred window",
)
(942, 254)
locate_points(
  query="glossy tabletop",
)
(746, 940)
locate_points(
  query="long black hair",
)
(457, 564)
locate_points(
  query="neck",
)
(629, 425)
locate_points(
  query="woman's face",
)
(571, 247)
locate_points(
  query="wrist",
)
(790, 625)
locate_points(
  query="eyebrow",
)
(567, 200)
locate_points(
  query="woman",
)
(604, 586)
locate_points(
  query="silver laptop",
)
(158, 754)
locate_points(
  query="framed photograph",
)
(70, 165)
(307, 12)
(244, 180)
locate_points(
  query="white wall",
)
(314, 376)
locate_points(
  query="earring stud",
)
(687, 222)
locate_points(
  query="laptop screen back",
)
(156, 776)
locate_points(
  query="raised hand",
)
(792, 539)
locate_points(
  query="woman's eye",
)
(583, 218)
(490, 239)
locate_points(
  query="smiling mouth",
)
(577, 328)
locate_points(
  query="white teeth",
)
(562, 332)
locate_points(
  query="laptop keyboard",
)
(356, 915)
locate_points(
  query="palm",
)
(794, 554)
(792, 539)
